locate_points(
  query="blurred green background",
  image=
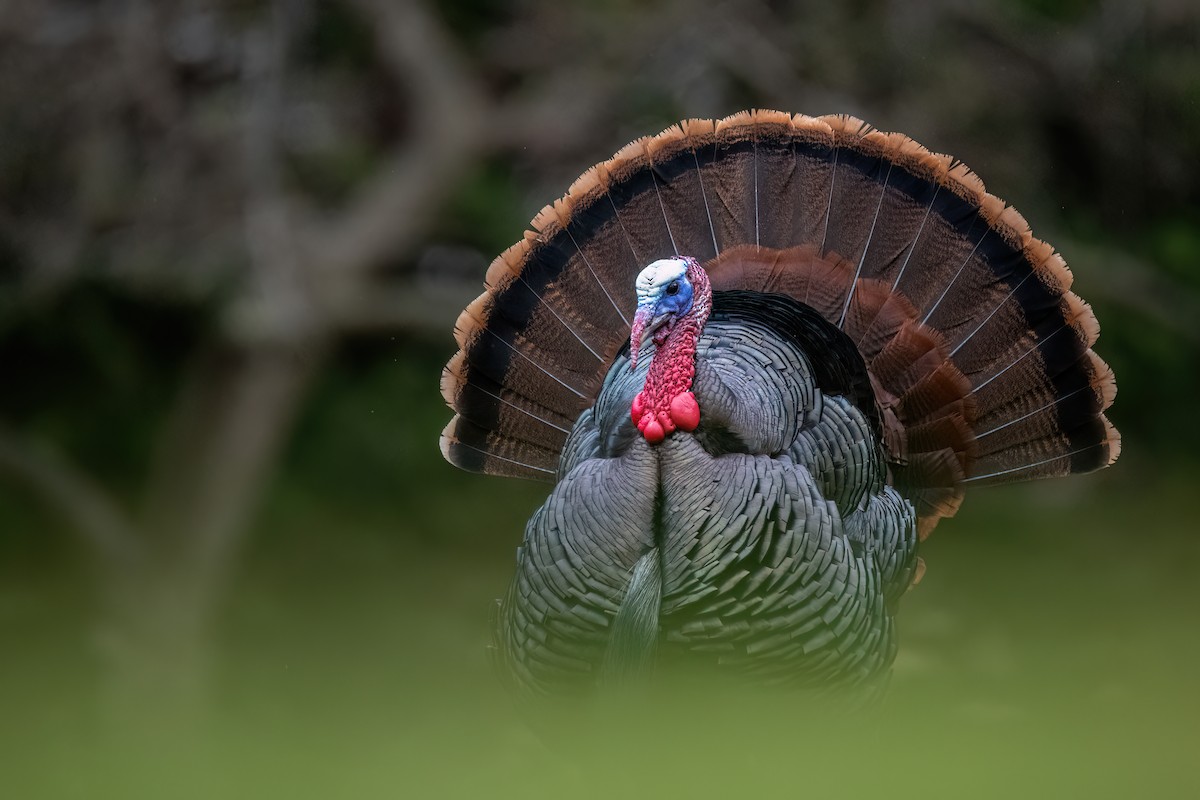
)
(234, 237)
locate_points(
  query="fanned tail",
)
(979, 354)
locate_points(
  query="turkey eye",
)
(673, 288)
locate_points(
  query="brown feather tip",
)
(546, 222)
(1103, 382)
(1082, 319)
(1113, 440)
(667, 143)
(847, 127)
(472, 320)
(454, 375)
(508, 263)
(584, 186)
(697, 128)
(447, 439)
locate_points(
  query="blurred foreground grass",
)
(1051, 650)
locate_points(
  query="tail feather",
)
(597, 236)
(493, 336)
(558, 292)
(760, 190)
(814, 156)
(635, 195)
(978, 352)
(849, 209)
(479, 449)
(1093, 382)
(529, 294)
(731, 190)
(680, 189)
(482, 399)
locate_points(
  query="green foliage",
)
(1174, 245)
(475, 20)
(1060, 11)
(339, 37)
(1045, 652)
(94, 371)
(488, 210)
(368, 446)
(330, 176)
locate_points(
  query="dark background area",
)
(234, 238)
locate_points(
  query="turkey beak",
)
(644, 326)
(639, 332)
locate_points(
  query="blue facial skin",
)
(678, 304)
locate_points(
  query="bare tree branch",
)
(274, 304)
(393, 210)
(143, 65)
(402, 305)
(93, 514)
(231, 424)
(233, 414)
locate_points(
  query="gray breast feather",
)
(781, 545)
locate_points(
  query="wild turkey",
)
(744, 483)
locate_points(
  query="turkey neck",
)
(674, 363)
(666, 401)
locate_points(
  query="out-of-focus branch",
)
(144, 68)
(393, 209)
(232, 419)
(305, 281)
(403, 305)
(274, 304)
(67, 490)
(233, 414)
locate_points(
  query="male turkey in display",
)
(760, 358)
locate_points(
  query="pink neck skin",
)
(666, 401)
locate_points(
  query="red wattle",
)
(685, 411)
(638, 408)
(653, 431)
